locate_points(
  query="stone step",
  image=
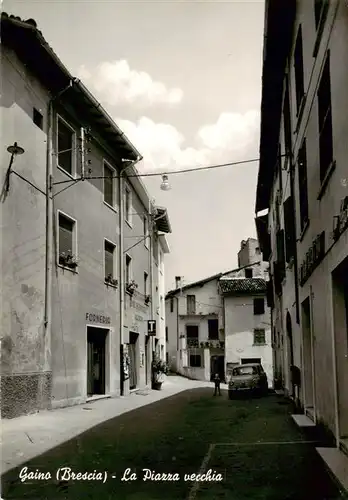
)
(337, 464)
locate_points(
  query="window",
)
(128, 269)
(128, 205)
(325, 121)
(37, 118)
(280, 250)
(109, 185)
(146, 231)
(191, 304)
(166, 334)
(109, 259)
(248, 273)
(172, 304)
(145, 283)
(259, 306)
(299, 73)
(320, 11)
(195, 360)
(66, 238)
(259, 336)
(302, 182)
(289, 223)
(66, 147)
(213, 329)
(192, 335)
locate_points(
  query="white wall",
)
(239, 326)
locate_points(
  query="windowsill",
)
(300, 112)
(66, 268)
(114, 209)
(259, 314)
(304, 230)
(260, 345)
(72, 177)
(326, 180)
(129, 223)
(110, 285)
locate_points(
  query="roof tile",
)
(242, 285)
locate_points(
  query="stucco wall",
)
(239, 325)
(25, 351)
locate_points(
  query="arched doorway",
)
(290, 350)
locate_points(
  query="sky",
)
(182, 79)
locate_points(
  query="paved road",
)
(251, 447)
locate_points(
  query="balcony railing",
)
(192, 342)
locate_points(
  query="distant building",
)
(207, 330)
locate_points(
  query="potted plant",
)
(131, 287)
(147, 299)
(159, 368)
(68, 260)
(110, 280)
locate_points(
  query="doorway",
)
(96, 349)
(308, 368)
(217, 365)
(340, 314)
(290, 350)
(133, 368)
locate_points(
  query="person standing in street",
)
(217, 382)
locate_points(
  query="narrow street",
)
(251, 447)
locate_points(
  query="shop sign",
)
(98, 318)
(314, 256)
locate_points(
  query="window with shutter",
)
(65, 237)
(302, 182)
(289, 219)
(109, 259)
(325, 121)
(281, 253)
(65, 146)
(299, 72)
(259, 336)
(109, 185)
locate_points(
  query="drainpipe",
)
(292, 190)
(121, 266)
(152, 231)
(49, 226)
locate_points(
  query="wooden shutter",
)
(66, 228)
(109, 186)
(289, 223)
(109, 259)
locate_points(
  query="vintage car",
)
(248, 378)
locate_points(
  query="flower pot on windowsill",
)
(109, 280)
(68, 260)
(131, 287)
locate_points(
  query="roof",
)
(162, 220)
(202, 282)
(279, 21)
(33, 50)
(242, 285)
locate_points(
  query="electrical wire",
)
(173, 172)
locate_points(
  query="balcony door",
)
(192, 336)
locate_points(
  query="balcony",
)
(212, 344)
(192, 342)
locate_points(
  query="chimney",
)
(177, 281)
